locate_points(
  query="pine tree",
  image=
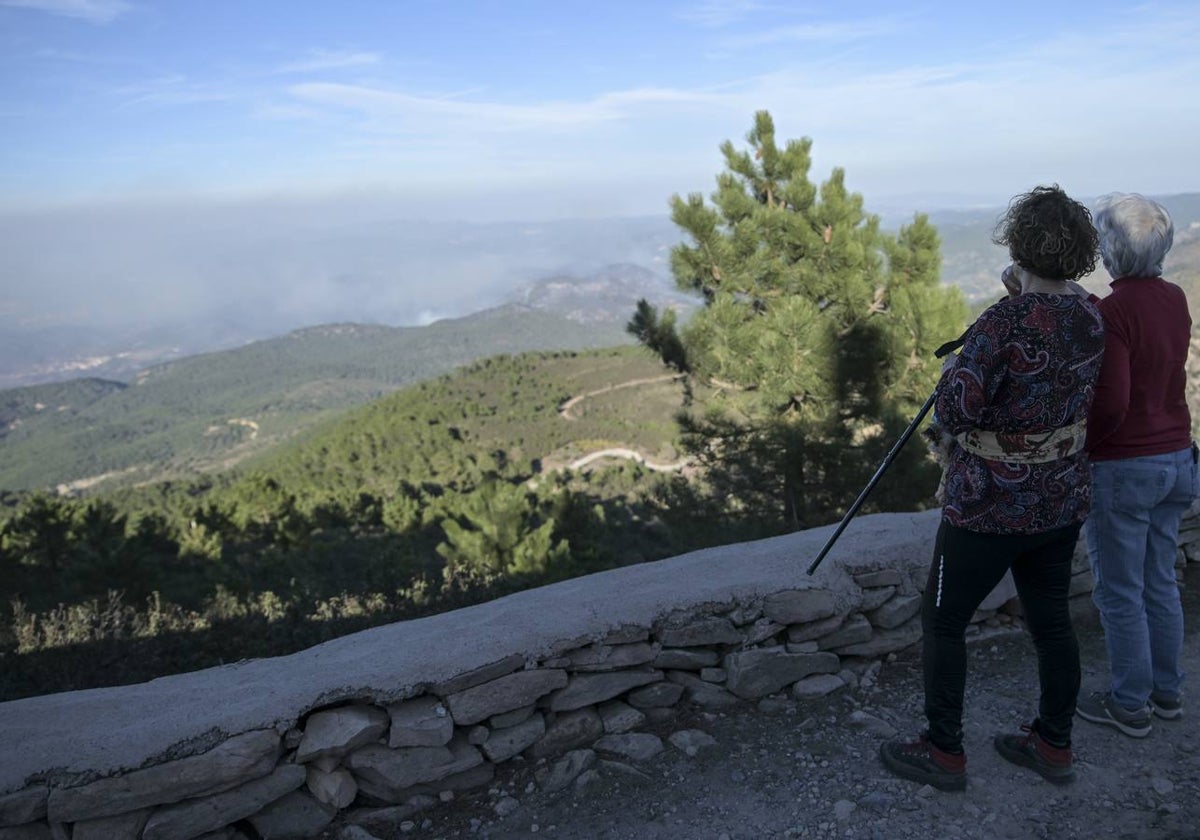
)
(817, 333)
(497, 532)
(39, 533)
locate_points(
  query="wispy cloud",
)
(717, 13)
(319, 60)
(289, 113)
(834, 32)
(171, 90)
(95, 11)
(388, 106)
(887, 126)
(87, 59)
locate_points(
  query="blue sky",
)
(487, 109)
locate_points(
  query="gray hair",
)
(1135, 234)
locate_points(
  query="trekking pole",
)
(948, 347)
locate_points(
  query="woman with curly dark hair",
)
(1017, 486)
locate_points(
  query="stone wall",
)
(382, 724)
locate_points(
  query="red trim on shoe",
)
(1060, 756)
(950, 762)
(955, 763)
(922, 762)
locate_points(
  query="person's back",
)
(1027, 370)
(1144, 470)
(1140, 408)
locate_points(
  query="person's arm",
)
(1111, 403)
(968, 387)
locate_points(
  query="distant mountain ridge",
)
(194, 413)
(604, 295)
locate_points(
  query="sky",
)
(502, 110)
(232, 169)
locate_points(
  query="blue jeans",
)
(1132, 538)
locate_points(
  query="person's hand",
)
(1011, 280)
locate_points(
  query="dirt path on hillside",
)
(630, 455)
(564, 410)
(800, 769)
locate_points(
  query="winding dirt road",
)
(564, 410)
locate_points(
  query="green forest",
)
(212, 411)
(375, 479)
(444, 493)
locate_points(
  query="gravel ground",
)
(810, 769)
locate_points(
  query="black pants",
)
(967, 565)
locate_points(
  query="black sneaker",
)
(1099, 707)
(921, 761)
(1166, 707)
(1054, 764)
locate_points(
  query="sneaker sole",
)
(1055, 775)
(907, 771)
(1164, 713)
(1107, 720)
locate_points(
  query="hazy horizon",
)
(233, 169)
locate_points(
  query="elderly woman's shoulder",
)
(1176, 289)
(1018, 307)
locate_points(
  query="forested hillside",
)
(447, 491)
(211, 411)
(30, 405)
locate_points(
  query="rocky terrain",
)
(787, 768)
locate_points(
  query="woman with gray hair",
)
(1144, 472)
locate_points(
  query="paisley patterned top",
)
(1029, 365)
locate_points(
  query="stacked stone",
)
(176, 800)
(1189, 539)
(1006, 604)
(402, 756)
(382, 763)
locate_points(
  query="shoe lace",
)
(918, 747)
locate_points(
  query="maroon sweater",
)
(1140, 408)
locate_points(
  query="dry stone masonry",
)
(565, 676)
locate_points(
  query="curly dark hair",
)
(1050, 234)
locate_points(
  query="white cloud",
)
(1014, 112)
(92, 59)
(815, 33)
(289, 112)
(329, 60)
(717, 13)
(96, 11)
(1005, 119)
(171, 90)
(386, 106)
(1056, 110)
